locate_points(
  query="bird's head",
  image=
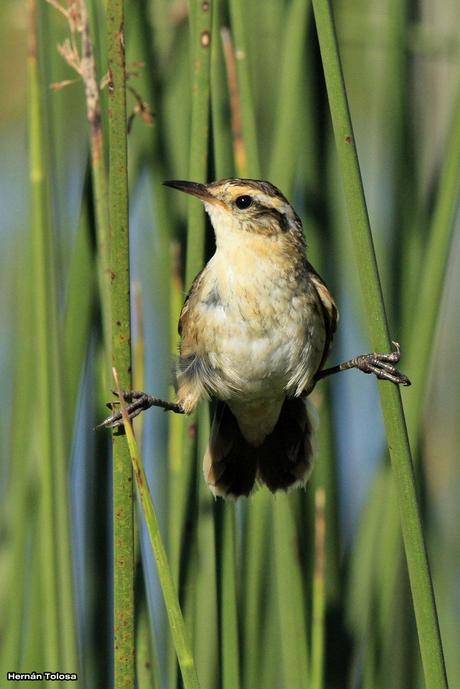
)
(245, 205)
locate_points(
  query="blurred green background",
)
(245, 572)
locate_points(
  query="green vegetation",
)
(307, 590)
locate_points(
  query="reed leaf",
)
(419, 573)
(123, 522)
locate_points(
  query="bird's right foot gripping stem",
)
(137, 402)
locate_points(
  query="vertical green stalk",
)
(225, 545)
(423, 324)
(222, 144)
(79, 304)
(60, 645)
(257, 514)
(255, 577)
(98, 168)
(206, 629)
(147, 666)
(123, 527)
(283, 163)
(201, 25)
(229, 654)
(248, 119)
(19, 511)
(200, 50)
(419, 573)
(285, 149)
(319, 597)
(291, 602)
(176, 621)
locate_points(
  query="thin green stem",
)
(433, 273)
(248, 118)
(319, 596)
(123, 526)
(225, 545)
(419, 572)
(285, 148)
(147, 666)
(222, 142)
(291, 603)
(201, 26)
(206, 628)
(60, 647)
(176, 620)
(255, 582)
(200, 50)
(228, 623)
(20, 506)
(99, 171)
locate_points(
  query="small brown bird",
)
(256, 328)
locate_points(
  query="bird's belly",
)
(266, 355)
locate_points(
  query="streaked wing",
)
(328, 309)
(185, 309)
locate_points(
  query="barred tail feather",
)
(230, 462)
(286, 455)
(284, 459)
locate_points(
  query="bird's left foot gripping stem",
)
(136, 403)
(381, 364)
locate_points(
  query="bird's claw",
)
(137, 402)
(381, 365)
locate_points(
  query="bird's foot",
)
(381, 365)
(136, 403)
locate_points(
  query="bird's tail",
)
(284, 459)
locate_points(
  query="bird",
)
(256, 328)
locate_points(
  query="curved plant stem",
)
(123, 529)
(417, 561)
(176, 620)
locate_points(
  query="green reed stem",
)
(417, 561)
(58, 606)
(319, 593)
(123, 525)
(200, 42)
(19, 510)
(79, 304)
(228, 610)
(147, 666)
(248, 118)
(201, 25)
(182, 466)
(285, 148)
(206, 628)
(225, 545)
(291, 602)
(433, 273)
(176, 620)
(99, 171)
(222, 140)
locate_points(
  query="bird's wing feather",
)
(328, 309)
(185, 308)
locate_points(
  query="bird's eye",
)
(243, 202)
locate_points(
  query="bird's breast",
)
(261, 325)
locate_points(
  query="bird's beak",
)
(195, 189)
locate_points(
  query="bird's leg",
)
(137, 402)
(379, 364)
